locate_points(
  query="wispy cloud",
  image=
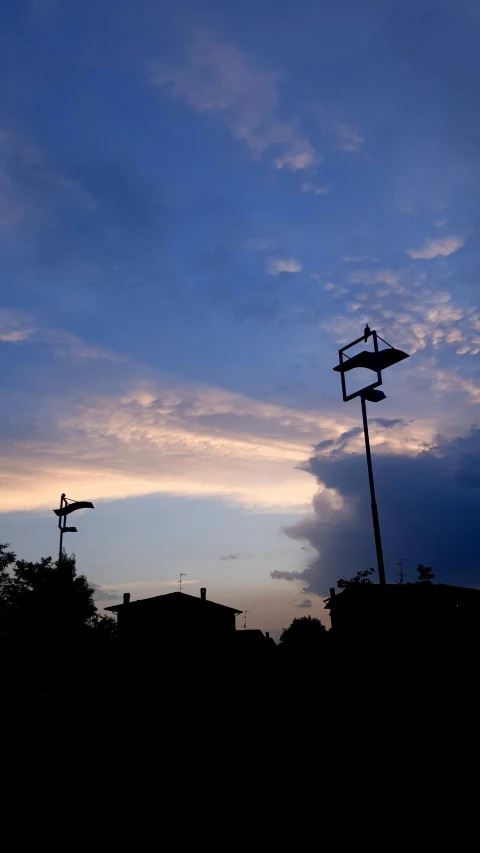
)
(219, 79)
(307, 602)
(349, 137)
(14, 327)
(191, 441)
(67, 345)
(30, 186)
(285, 576)
(279, 265)
(228, 557)
(316, 189)
(385, 276)
(443, 247)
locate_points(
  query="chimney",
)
(203, 593)
(332, 591)
(267, 634)
(126, 598)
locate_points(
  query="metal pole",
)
(376, 524)
(61, 531)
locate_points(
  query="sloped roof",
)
(400, 593)
(172, 599)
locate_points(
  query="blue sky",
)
(198, 204)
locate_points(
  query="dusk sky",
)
(199, 203)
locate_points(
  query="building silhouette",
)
(174, 620)
(406, 614)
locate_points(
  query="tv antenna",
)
(400, 564)
(245, 619)
(182, 575)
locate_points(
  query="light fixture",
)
(66, 507)
(376, 360)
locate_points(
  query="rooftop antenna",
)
(400, 563)
(245, 620)
(182, 575)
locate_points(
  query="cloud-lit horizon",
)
(197, 208)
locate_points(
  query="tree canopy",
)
(360, 577)
(49, 622)
(305, 632)
(425, 574)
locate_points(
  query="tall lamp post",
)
(66, 507)
(376, 360)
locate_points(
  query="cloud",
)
(161, 437)
(385, 276)
(236, 557)
(280, 265)
(67, 345)
(334, 289)
(414, 317)
(307, 602)
(14, 326)
(104, 594)
(434, 248)
(31, 187)
(348, 137)
(389, 423)
(314, 188)
(430, 516)
(138, 589)
(218, 79)
(285, 576)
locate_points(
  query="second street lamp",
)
(376, 360)
(66, 507)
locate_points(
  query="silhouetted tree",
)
(305, 633)
(7, 586)
(50, 596)
(104, 627)
(425, 574)
(360, 577)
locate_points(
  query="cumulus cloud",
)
(307, 602)
(279, 265)
(430, 515)
(219, 79)
(443, 247)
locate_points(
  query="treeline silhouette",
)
(52, 637)
(59, 651)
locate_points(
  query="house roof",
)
(369, 592)
(173, 599)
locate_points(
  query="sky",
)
(200, 202)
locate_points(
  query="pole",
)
(376, 524)
(60, 552)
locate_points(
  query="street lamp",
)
(66, 507)
(376, 361)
